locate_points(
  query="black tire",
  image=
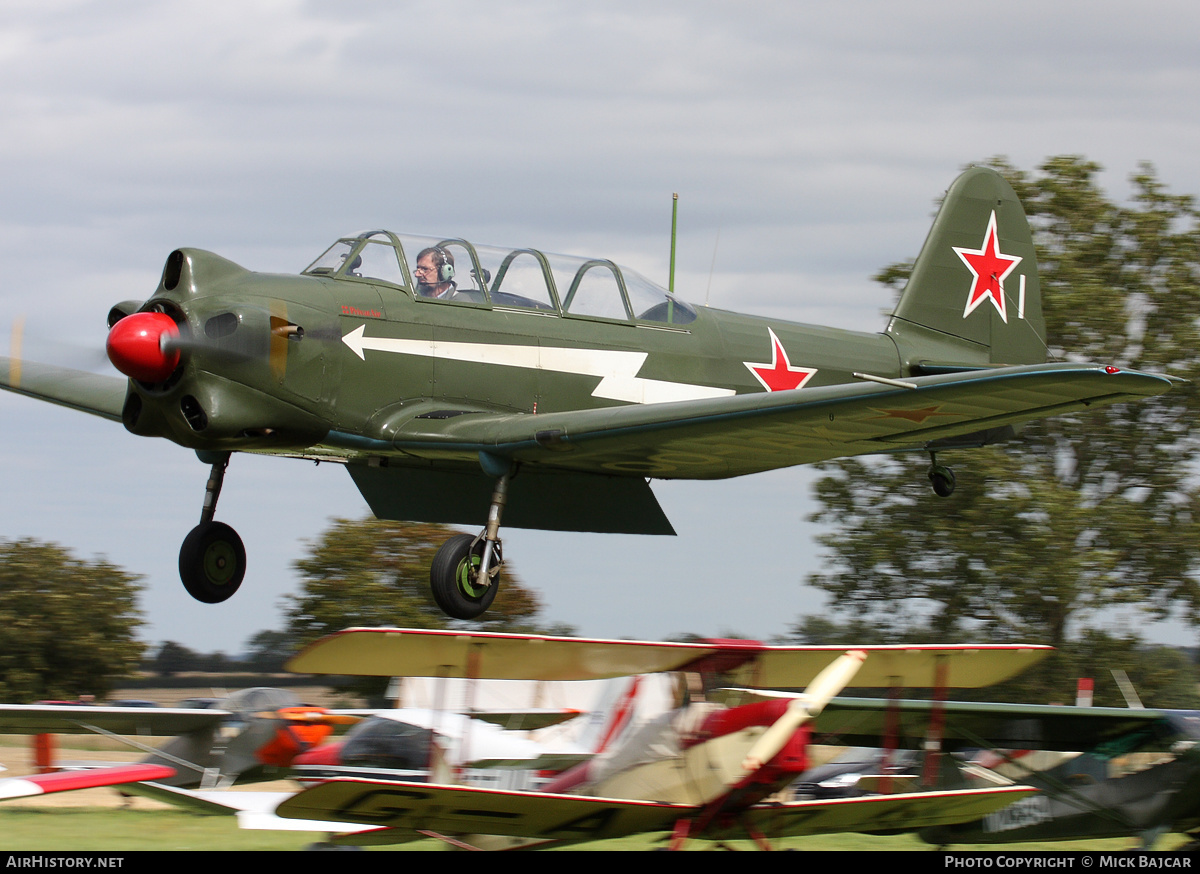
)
(943, 481)
(449, 580)
(212, 562)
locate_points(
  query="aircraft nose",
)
(140, 346)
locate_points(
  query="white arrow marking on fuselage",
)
(617, 370)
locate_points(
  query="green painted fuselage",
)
(432, 367)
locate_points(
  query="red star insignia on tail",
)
(990, 267)
(780, 375)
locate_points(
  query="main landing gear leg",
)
(465, 574)
(941, 477)
(212, 560)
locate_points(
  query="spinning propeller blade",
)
(824, 686)
(18, 333)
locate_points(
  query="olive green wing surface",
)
(88, 392)
(747, 433)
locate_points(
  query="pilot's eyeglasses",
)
(425, 268)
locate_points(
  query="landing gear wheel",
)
(942, 478)
(212, 562)
(452, 577)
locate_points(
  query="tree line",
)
(1082, 514)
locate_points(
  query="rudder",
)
(973, 298)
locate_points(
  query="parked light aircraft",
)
(266, 734)
(702, 770)
(252, 734)
(511, 745)
(1135, 772)
(441, 373)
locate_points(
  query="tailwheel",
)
(459, 588)
(212, 562)
(942, 478)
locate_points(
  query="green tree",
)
(173, 658)
(372, 572)
(67, 627)
(1161, 676)
(1082, 512)
(269, 650)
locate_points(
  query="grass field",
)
(106, 829)
(102, 820)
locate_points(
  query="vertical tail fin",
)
(612, 714)
(973, 297)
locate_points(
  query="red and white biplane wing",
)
(90, 778)
(400, 652)
(460, 810)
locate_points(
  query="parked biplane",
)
(250, 735)
(703, 770)
(513, 747)
(264, 734)
(1127, 772)
(1101, 772)
(460, 382)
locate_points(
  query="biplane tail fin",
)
(973, 297)
(625, 703)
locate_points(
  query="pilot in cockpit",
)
(435, 273)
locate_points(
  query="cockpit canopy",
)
(259, 699)
(454, 271)
(388, 743)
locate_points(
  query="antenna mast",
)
(674, 218)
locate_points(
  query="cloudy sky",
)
(808, 143)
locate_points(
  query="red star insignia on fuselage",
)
(990, 267)
(780, 375)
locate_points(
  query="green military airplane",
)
(440, 372)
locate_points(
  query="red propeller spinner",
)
(140, 346)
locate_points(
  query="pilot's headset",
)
(446, 270)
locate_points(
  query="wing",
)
(573, 819)
(914, 667)
(397, 652)
(153, 721)
(471, 810)
(710, 438)
(549, 761)
(66, 781)
(254, 810)
(863, 722)
(876, 813)
(88, 392)
(757, 431)
(525, 720)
